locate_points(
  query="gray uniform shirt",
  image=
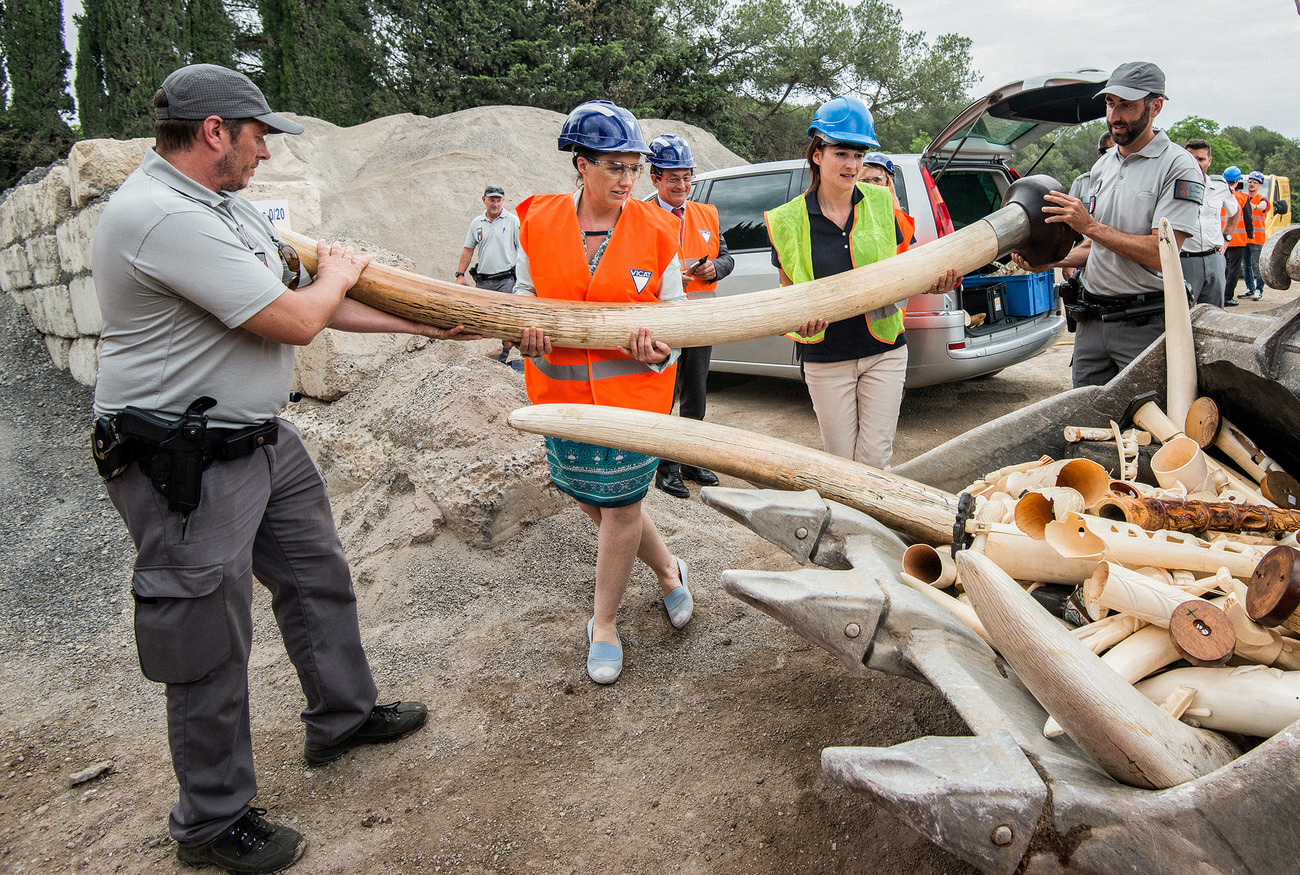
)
(1081, 188)
(497, 242)
(178, 268)
(1131, 195)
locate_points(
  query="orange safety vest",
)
(643, 246)
(1259, 206)
(907, 225)
(1238, 237)
(699, 238)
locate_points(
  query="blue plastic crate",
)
(1026, 294)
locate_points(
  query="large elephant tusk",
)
(1020, 225)
(916, 510)
(1132, 739)
(1180, 351)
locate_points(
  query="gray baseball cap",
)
(494, 191)
(201, 90)
(1135, 80)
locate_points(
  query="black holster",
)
(1071, 292)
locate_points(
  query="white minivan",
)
(958, 180)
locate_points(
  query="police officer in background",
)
(705, 260)
(202, 307)
(1203, 263)
(1145, 178)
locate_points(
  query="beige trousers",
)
(857, 403)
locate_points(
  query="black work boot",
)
(385, 723)
(250, 844)
(670, 481)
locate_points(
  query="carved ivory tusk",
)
(1197, 516)
(1129, 737)
(960, 609)
(1180, 352)
(1249, 699)
(1145, 651)
(1035, 510)
(1026, 559)
(1153, 419)
(1084, 476)
(1086, 536)
(716, 320)
(930, 565)
(918, 511)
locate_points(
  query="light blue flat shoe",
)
(679, 603)
(604, 661)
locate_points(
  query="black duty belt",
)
(1128, 308)
(489, 277)
(1197, 254)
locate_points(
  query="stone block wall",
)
(47, 229)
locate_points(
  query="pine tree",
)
(34, 130)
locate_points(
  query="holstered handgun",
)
(176, 456)
(1071, 292)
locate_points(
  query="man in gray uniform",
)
(1145, 178)
(495, 234)
(1204, 265)
(202, 306)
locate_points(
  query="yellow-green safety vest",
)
(871, 240)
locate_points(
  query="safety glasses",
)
(616, 169)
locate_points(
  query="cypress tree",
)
(319, 58)
(33, 131)
(208, 34)
(126, 48)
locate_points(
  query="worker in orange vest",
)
(1259, 209)
(705, 260)
(877, 169)
(1237, 237)
(598, 244)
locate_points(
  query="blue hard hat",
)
(1232, 174)
(601, 126)
(670, 152)
(1256, 175)
(845, 121)
(880, 160)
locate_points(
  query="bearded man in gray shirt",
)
(1146, 177)
(202, 306)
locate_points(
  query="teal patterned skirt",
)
(599, 476)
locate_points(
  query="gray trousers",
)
(1103, 349)
(505, 284)
(265, 515)
(1206, 275)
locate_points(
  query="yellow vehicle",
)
(1278, 191)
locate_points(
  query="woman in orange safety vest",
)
(598, 244)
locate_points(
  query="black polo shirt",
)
(848, 338)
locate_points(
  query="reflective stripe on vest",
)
(872, 240)
(643, 245)
(699, 238)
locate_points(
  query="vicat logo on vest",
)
(707, 235)
(640, 278)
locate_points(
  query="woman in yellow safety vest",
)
(854, 368)
(598, 244)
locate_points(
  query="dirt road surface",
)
(704, 757)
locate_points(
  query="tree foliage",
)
(125, 49)
(33, 127)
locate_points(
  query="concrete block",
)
(14, 271)
(8, 233)
(58, 348)
(303, 198)
(336, 362)
(43, 259)
(83, 360)
(76, 235)
(85, 305)
(51, 201)
(24, 213)
(99, 166)
(52, 313)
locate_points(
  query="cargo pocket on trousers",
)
(182, 631)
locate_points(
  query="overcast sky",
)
(1236, 71)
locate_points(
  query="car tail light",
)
(1015, 174)
(942, 221)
